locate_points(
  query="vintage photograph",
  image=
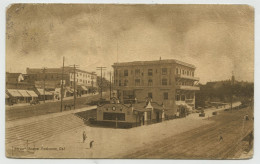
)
(129, 81)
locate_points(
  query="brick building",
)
(168, 82)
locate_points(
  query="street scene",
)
(170, 82)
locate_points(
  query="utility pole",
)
(74, 85)
(62, 92)
(92, 87)
(101, 80)
(110, 84)
(44, 83)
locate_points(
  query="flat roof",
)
(165, 61)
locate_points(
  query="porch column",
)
(145, 117)
(162, 114)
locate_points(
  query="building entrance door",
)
(157, 117)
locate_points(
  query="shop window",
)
(164, 71)
(165, 95)
(150, 72)
(114, 116)
(164, 81)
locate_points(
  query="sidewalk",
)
(10, 124)
(47, 101)
(208, 112)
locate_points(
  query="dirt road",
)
(204, 142)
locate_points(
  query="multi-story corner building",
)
(168, 82)
(84, 81)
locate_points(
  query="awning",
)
(81, 87)
(32, 93)
(84, 88)
(46, 92)
(24, 93)
(14, 93)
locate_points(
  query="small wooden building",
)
(129, 115)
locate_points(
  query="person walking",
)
(84, 136)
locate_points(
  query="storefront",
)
(14, 96)
(129, 115)
(44, 94)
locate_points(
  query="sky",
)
(217, 39)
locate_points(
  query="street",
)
(20, 112)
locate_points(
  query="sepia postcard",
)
(129, 81)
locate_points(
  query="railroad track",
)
(32, 132)
(200, 143)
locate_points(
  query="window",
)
(119, 81)
(114, 116)
(125, 72)
(125, 82)
(137, 72)
(182, 97)
(165, 95)
(150, 95)
(164, 81)
(177, 98)
(177, 70)
(192, 74)
(137, 82)
(150, 82)
(116, 73)
(164, 71)
(150, 72)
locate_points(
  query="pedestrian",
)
(91, 144)
(84, 136)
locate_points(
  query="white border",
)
(5, 3)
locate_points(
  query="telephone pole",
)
(110, 84)
(74, 85)
(101, 80)
(62, 92)
(92, 83)
(43, 70)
